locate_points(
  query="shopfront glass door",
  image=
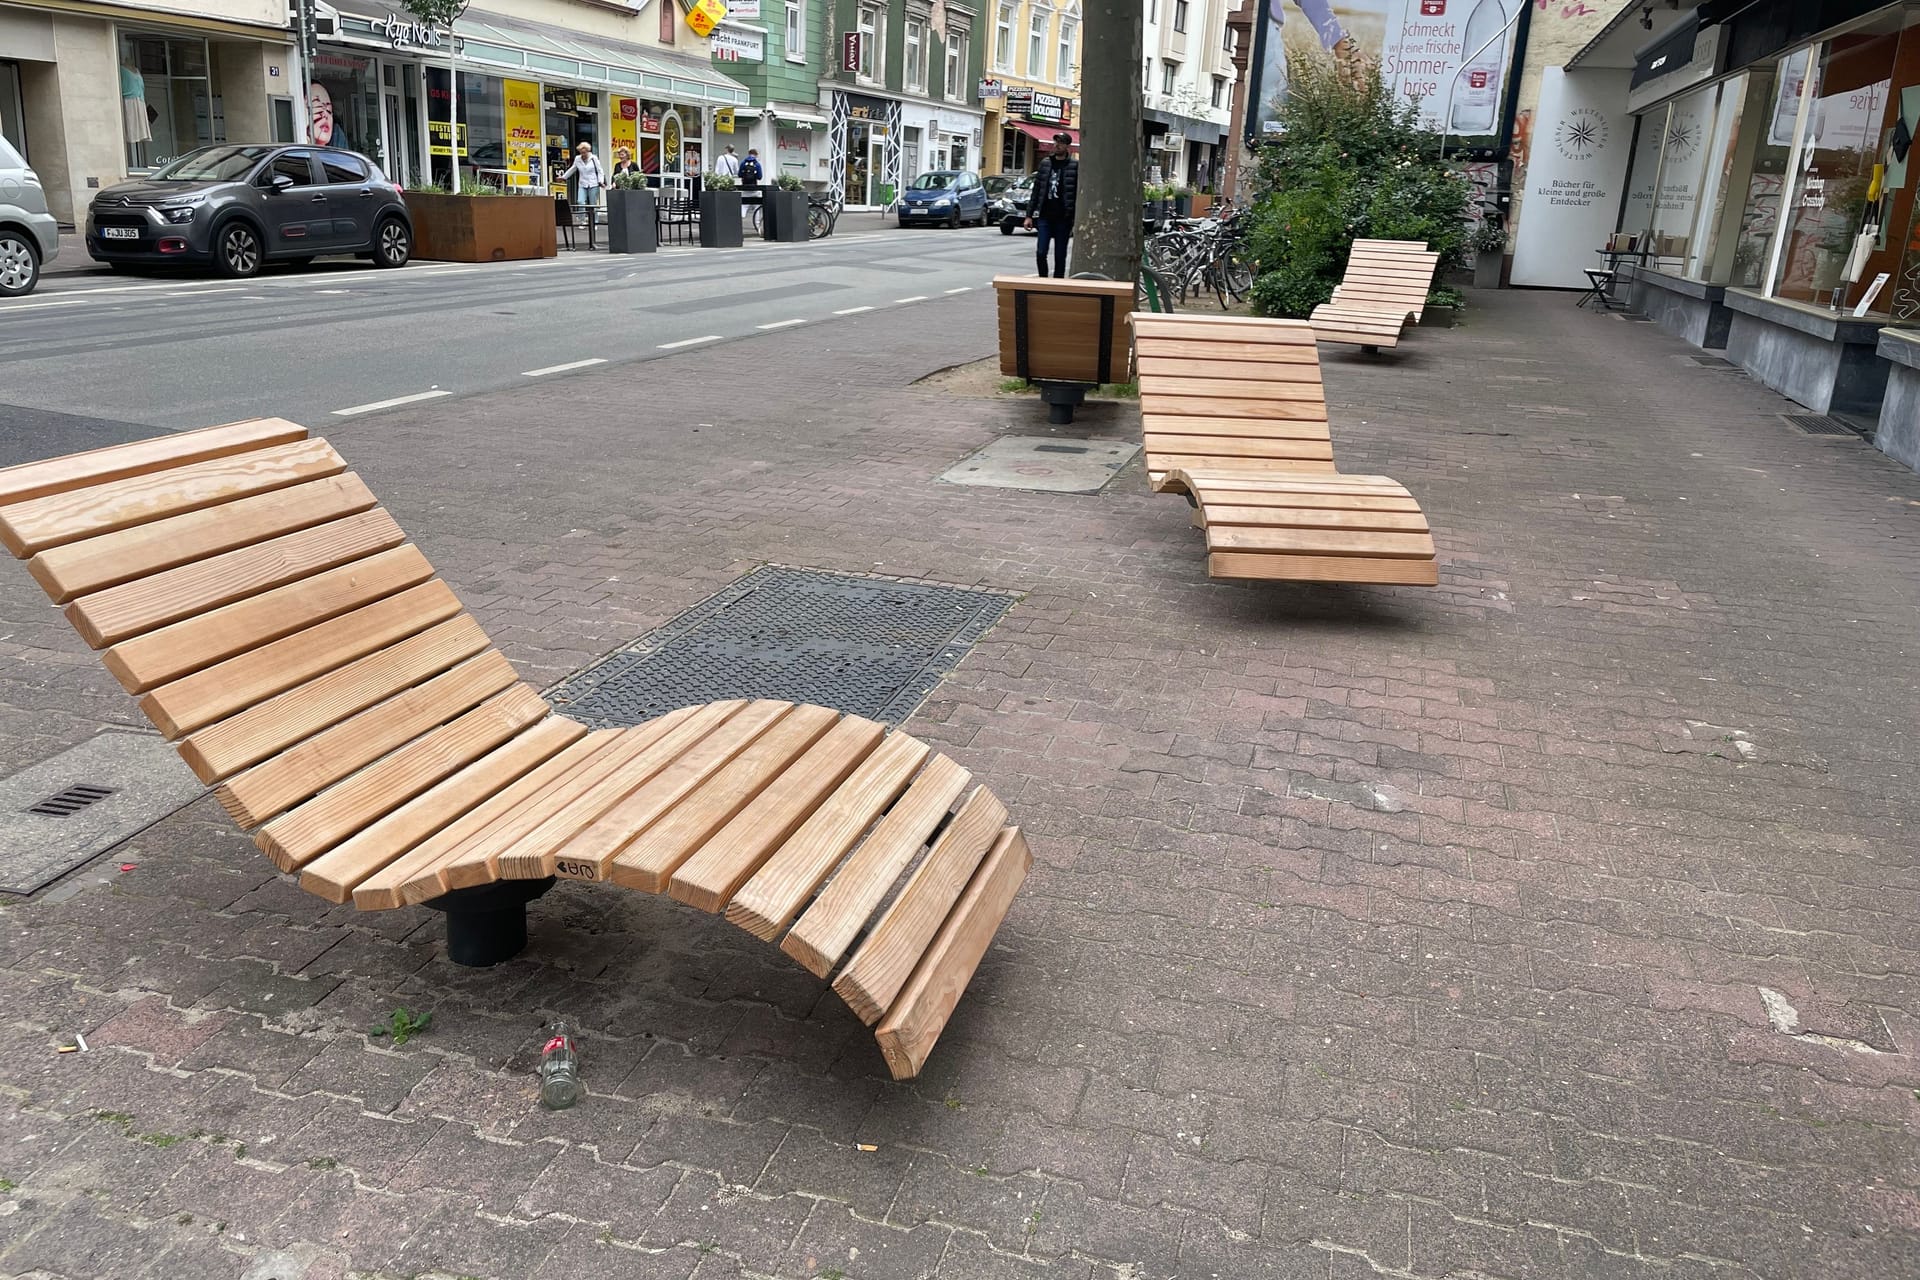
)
(879, 190)
(859, 145)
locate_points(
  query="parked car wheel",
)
(953, 219)
(392, 243)
(237, 251)
(19, 265)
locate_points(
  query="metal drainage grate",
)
(1714, 362)
(71, 801)
(1819, 424)
(867, 646)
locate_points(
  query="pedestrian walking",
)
(750, 171)
(1056, 188)
(728, 164)
(586, 168)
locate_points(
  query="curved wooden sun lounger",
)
(1235, 417)
(1384, 289)
(303, 657)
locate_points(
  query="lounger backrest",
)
(1064, 330)
(275, 623)
(1230, 391)
(1388, 275)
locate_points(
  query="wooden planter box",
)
(449, 228)
(1201, 203)
(1062, 329)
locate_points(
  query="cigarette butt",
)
(68, 1048)
(865, 1146)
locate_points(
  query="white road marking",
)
(688, 342)
(918, 297)
(780, 324)
(852, 311)
(561, 368)
(35, 306)
(388, 404)
(205, 293)
(965, 288)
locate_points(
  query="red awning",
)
(1044, 132)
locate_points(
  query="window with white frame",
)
(1153, 10)
(1003, 38)
(1219, 90)
(1179, 15)
(873, 36)
(1037, 44)
(1226, 40)
(1168, 70)
(796, 31)
(957, 37)
(916, 51)
(1063, 53)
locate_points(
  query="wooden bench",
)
(1235, 417)
(1066, 336)
(1384, 289)
(303, 657)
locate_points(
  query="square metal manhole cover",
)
(1713, 362)
(871, 647)
(57, 814)
(1054, 465)
(1820, 424)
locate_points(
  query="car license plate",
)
(120, 233)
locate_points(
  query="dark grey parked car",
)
(235, 207)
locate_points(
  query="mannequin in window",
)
(133, 104)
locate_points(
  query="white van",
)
(29, 236)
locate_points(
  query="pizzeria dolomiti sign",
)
(1041, 108)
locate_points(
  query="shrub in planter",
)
(720, 212)
(479, 224)
(632, 225)
(784, 212)
(1489, 245)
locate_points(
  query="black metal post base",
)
(488, 923)
(1061, 398)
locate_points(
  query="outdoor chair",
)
(305, 660)
(676, 218)
(1235, 417)
(1383, 290)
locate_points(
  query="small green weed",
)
(323, 1163)
(1011, 385)
(402, 1025)
(7, 1184)
(162, 1140)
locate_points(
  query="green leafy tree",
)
(1352, 163)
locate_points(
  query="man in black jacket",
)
(1050, 207)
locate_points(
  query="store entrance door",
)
(400, 117)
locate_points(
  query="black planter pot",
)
(1183, 205)
(720, 220)
(785, 215)
(630, 221)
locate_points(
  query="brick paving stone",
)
(1371, 931)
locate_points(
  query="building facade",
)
(92, 93)
(1033, 74)
(1187, 80)
(901, 95)
(777, 50)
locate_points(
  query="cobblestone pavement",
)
(1555, 923)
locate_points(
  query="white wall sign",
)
(731, 44)
(746, 10)
(1574, 175)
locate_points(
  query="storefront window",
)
(1683, 165)
(483, 131)
(343, 105)
(1834, 212)
(166, 98)
(1767, 176)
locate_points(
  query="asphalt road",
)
(91, 359)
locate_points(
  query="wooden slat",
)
(829, 926)
(38, 523)
(1118, 290)
(1236, 328)
(1281, 413)
(1223, 347)
(770, 900)
(1238, 388)
(645, 750)
(1356, 338)
(912, 1026)
(174, 651)
(300, 835)
(886, 960)
(1239, 478)
(480, 859)
(1155, 364)
(1166, 464)
(1289, 428)
(1320, 512)
(224, 688)
(1289, 568)
(1211, 406)
(418, 874)
(118, 613)
(334, 874)
(118, 462)
(709, 879)
(271, 726)
(650, 861)
(1322, 543)
(113, 558)
(252, 797)
(1236, 447)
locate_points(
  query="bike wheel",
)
(1239, 276)
(819, 222)
(754, 219)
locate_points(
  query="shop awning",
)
(1193, 129)
(1044, 132)
(492, 42)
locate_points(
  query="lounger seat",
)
(306, 661)
(1383, 290)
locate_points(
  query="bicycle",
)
(1196, 255)
(822, 213)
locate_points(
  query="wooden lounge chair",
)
(1235, 417)
(303, 657)
(1065, 335)
(1384, 289)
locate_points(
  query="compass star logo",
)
(1582, 135)
(1682, 140)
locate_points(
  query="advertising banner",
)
(1576, 169)
(524, 142)
(737, 44)
(705, 15)
(626, 121)
(1426, 51)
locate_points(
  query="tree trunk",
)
(1107, 219)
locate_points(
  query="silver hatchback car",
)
(29, 235)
